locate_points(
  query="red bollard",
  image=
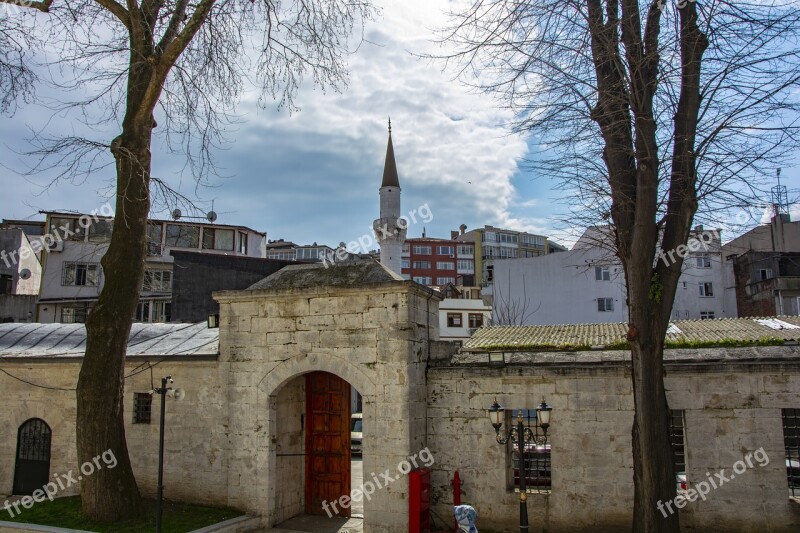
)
(456, 493)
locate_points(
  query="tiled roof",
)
(722, 331)
(69, 340)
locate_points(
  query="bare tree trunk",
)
(653, 466)
(100, 420)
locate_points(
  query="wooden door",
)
(327, 441)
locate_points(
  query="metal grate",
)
(34, 441)
(537, 457)
(677, 437)
(791, 443)
(142, 407)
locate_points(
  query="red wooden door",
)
(327, 441)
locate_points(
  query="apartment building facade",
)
(494, 244)
(72, 276)
(587, 286)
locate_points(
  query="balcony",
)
(155, 249)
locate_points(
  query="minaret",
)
(390, 229)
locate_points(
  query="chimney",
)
(453, 235)
(463, 228)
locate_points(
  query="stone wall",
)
(730, 411)
(195, 444)
(375, 337)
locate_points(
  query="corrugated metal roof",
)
(69, 340)
(582, 336)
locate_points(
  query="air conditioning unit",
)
(56, 246)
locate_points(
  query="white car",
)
(355, 433)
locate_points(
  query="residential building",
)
(587, 285)
(291, 348)
(20, 274)
(437, 262)
(494, 244)
(460, 318)
(760, 270)
(289, 251)
(767, 283)
(72, 276)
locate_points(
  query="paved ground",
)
(323, 524)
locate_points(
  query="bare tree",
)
(183, 64)
(644, 111)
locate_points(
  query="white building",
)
(587, 285)
(460, 317)
(72, 276)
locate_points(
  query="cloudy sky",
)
(313, 176)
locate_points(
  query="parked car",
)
(355, 433)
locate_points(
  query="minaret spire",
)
(390, 228)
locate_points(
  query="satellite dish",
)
(25, 273)
(176, 214)
(211, 216)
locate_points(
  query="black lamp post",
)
(178, 394)
(523, 436)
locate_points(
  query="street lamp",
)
(178, 394)
(523, 436)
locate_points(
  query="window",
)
(73, 315)
(423, 280)
(80, 274)
(242, 242)
(142, 407)
(466, 250)
(703, 261)
(153, 311)
(155, 231)
(602, 273)
(677, 437)
(706, 289)
(466, 266)
(157, 281)
(142, 312)
(6, 284)
(67, 228)
(475, 320)
(445, 280)
(182, 236)
(490, 273)
(505, 237)
(791, 444)
(445, 265)
(707, 315)
(605, 304)
(100, 231)
(406, 248)
(422, 264)
(422, 250)
(454, 320)
(537, 456)
(289, 255)
(310, 253)
(218, 239)
(765, 273)
(405, 263)
(444, 250)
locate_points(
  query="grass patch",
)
(176, 517)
